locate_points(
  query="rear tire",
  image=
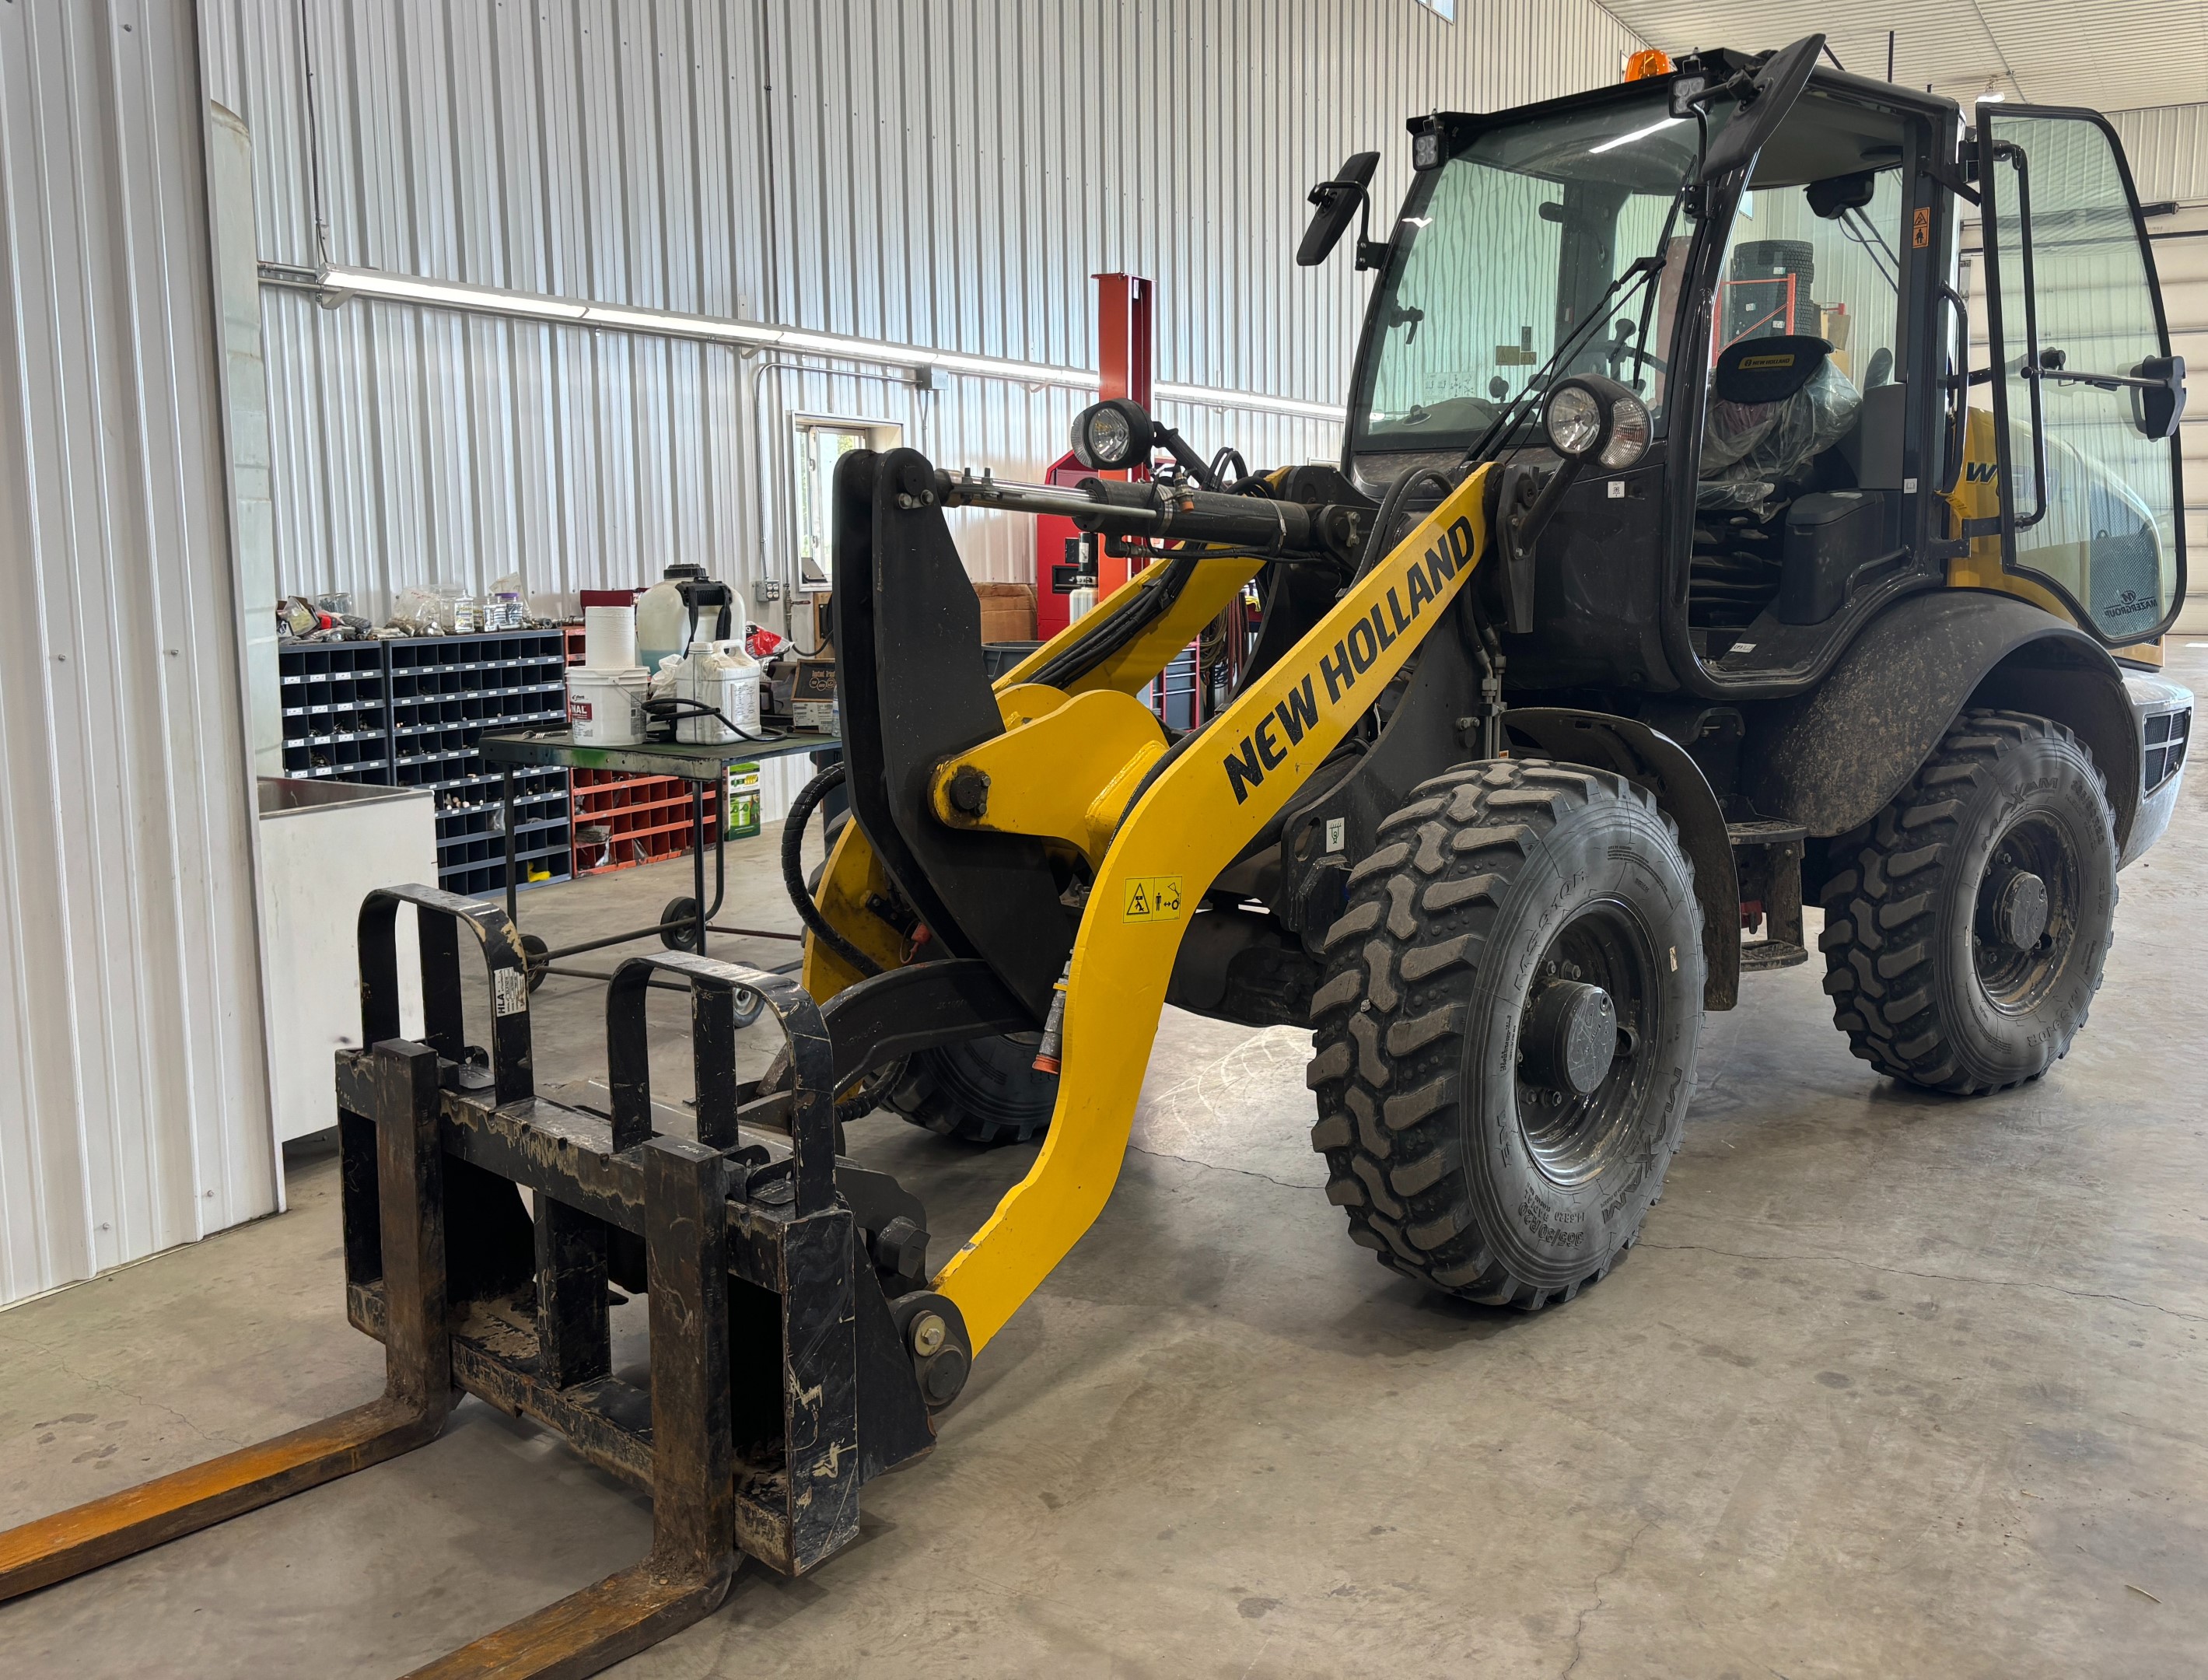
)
(1507, 1031)
(985, 1091)
(1968, 924)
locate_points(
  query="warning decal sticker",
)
(1152, 899)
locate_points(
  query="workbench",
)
(701, 766)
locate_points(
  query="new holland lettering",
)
(1270, 753)
(1460, 547)
(1299, 712)
(1335, 667)
(1426, 580)
(1421, 590)
(1364, 646)
(1244, 772)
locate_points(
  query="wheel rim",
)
(1577, 1117)
(2024, 928)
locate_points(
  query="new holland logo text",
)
(1424, 582)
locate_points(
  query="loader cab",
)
(1799, 329)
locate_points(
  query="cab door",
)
(2085, 393)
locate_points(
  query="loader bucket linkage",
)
(1049, 778)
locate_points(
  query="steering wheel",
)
(1620, 349)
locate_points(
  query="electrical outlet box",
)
(766, 590)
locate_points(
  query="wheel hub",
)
(1570, 1037)
(2024, 931)
(2020, 909)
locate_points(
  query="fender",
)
(1834, 758)
(1631, 749)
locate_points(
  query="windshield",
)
(1501, 255)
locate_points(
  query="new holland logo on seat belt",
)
(1424, 583)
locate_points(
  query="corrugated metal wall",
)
(2168, 149)
(132, 1096)
(944, 172)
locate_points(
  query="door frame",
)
(2003, 524)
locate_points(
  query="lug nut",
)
(928, 1331)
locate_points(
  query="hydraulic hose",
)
(792, 871)
(1391, 505)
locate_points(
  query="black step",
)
(1771, 954)
(1764, 833)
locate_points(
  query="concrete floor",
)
(1895, 1385)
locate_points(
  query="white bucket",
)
(609, 639)
(606, 708)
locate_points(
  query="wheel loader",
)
(1680, 570)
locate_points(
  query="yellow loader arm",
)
(1065, 769)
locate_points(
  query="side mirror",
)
(1337, 200)
(1763, 106)
(2156, 408)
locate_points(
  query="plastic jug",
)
(685, 606)
(723, 675)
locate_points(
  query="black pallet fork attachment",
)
(778, 1380)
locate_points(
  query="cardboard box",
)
(1008, 612)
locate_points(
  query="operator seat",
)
(1776, 402)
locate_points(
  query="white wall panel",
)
(2167, 148)
(132, 1099)
(941, 172)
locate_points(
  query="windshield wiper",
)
(1639, 270)
(1399, 315)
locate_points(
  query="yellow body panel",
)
(1186, 828)
(1976, 495)
(853, 876)
(1054, 774)
(1216, 583)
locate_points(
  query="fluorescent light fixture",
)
(1205, 397)
(1638, 134)
(339, 284)
(446, 294)
(641, 320)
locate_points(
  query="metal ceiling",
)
(2111, 55)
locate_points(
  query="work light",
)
(1112, 434)
(1591, 418)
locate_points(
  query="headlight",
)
(1574, 422)
(1591, 418)
(1629, 431)
(1112, 434)
(1109, 435)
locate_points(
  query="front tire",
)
(985, 1090)
(1966, 926)
(1507, 1031)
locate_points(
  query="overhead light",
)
(1204, 396)
(1993, 95)
(335, 287)
(1638, 134)
(447, 294)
